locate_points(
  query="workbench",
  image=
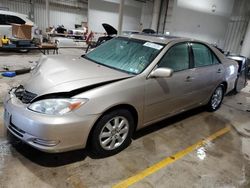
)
(43, 49)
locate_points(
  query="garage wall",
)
(102, 12)
(60, 13)
(147, 12)
(106, 11)
(16, 6)
(195, 19)
(68, 18)
(237, 26)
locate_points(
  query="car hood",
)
(64, 74)
(109, 29)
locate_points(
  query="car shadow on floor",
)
(167, 122)
(43, 158)
(60, 159)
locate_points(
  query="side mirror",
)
(161, 73)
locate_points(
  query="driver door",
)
(164, 96)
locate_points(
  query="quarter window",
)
(176, 58)
(202, 55)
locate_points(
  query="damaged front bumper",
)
(48, 133)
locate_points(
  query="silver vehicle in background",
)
(7, 18)
(123, 85)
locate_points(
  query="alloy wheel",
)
(114, 133)
(217, 97)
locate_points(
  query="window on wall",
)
(2, 19)
(202, 55)
(14, 19)
(176, 58)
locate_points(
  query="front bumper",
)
(46, 132)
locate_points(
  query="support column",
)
(120, 21)
(47, 13)
(245, 50)
(156, 12)
(31, 13)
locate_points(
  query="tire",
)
(107, 137)
(236, 90)
(216, 99)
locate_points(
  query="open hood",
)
(109, 29)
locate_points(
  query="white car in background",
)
(8, 17)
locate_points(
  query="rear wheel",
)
(112, 133)
(216, 99)
(237, 87)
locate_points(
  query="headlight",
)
(56, 106)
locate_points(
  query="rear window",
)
(2, 19)
(14, 19)
(202, 55)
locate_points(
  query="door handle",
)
(189, 78)
(219, 71)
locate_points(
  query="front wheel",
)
(216, 99)
(112, 133)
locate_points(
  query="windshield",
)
(128, 55)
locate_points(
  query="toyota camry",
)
(100, 99)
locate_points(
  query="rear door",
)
(208, 71)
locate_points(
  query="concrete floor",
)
(224, 162)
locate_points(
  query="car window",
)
(176, 58)
(2, 19)
(202, 55)
(14, 19)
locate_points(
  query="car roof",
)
(164, 39)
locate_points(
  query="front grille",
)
(23, 95)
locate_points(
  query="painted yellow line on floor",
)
(165, 162)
